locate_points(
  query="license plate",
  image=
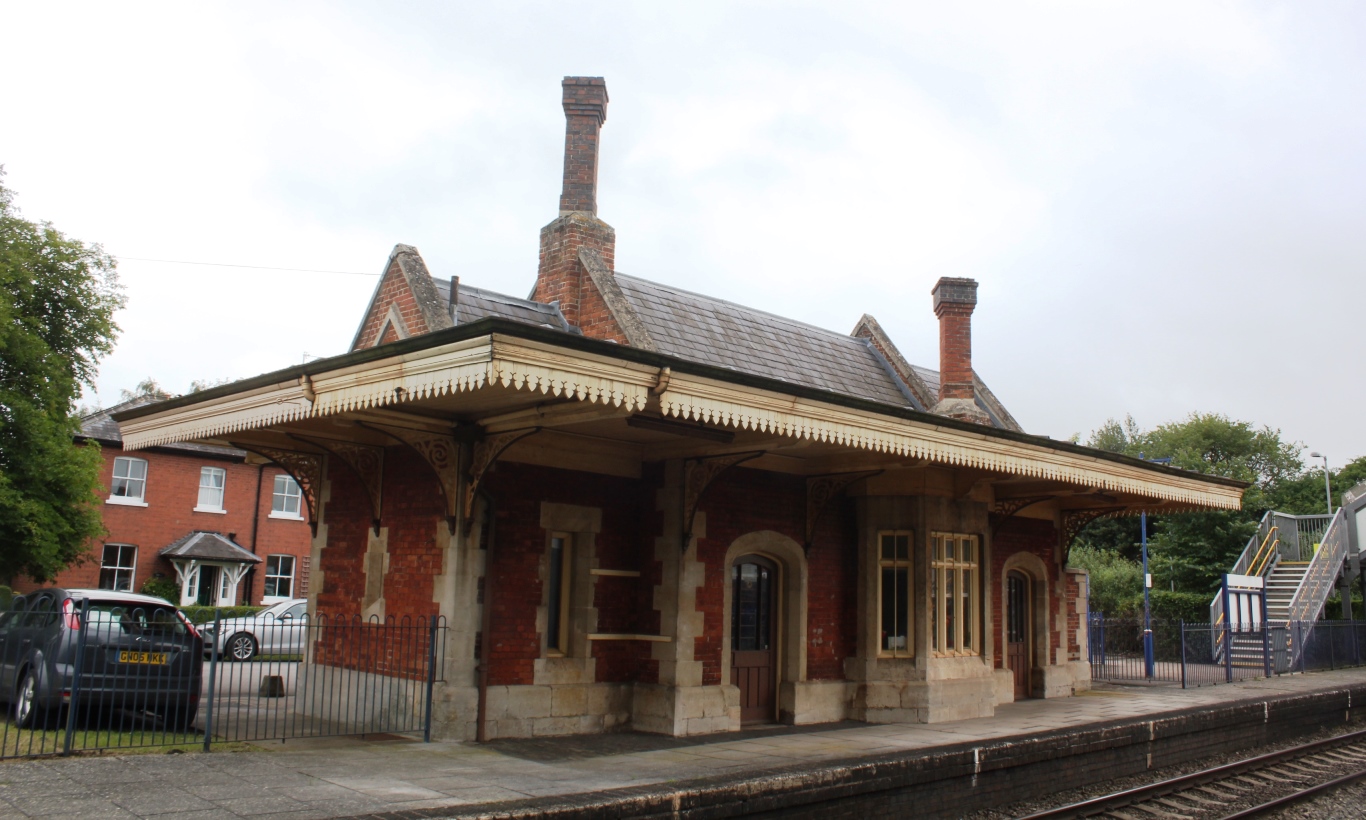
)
(150, 658)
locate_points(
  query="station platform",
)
(1027, 749)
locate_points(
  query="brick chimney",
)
(954, 300)
(561, 277)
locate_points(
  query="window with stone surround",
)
(557, 577)
(954, 581)
(894, 599)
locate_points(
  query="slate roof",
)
(720, 333)
(476, 303)
(100, 427)
(208, 546)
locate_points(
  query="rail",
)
(1173, 786)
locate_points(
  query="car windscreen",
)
(135, 619)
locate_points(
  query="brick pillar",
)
(954, 301)
(560, 276)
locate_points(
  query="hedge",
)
(204, 614)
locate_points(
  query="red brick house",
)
(228, 528)
(640, 507)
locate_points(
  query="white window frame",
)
(907, 650)
(267, 598)
(119, 567)
(948, 565)
(222, 488)
(139, 500)
(297, 496)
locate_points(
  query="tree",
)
(56, 323)
(1192, 551)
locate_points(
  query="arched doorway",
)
(1019, 626)
(753, 636)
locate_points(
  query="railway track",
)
(1270, 781)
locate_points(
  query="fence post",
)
(213, 677)
(1266, 637)
(431, 680)
(1356, 645)
(1228, 651)
(1299, 633)
(1183, 654)
(1332, 650)
(83, 614)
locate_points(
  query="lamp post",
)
(1148, 663)
(1327, 486)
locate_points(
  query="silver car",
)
(280, 629)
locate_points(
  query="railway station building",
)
(638, 507)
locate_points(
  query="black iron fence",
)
(80, 675)
(1201, 655)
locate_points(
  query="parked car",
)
(141, 654)
(279, 629)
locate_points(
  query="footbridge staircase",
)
(1284, 578)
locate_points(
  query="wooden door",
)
(753, 659)
(1017, 631)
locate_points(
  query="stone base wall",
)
(685, 710)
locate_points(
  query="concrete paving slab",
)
(340, 777)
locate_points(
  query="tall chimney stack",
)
(954, 301)
(585, 110)
(561, 276)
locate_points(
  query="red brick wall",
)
(1013, 536)
(955, 351)
(342, 561)
(412, 509)
(172, 491)
(562, 278)
(393, 289)
(742, 501)
(514, 644)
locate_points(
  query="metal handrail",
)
(1307, 602)
(1263, 558)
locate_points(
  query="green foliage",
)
(1116, 583)
(6, 597)
(56, 322)
(1332, 609)
(204, 614)
(146, 387)
(163, 588)
(1191, 607)
(1191, 552)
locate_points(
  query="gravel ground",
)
(1355, 807)
(1346, 803)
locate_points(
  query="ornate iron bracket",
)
(305, 468)
(1009, 507)
(1074, 521)
(698, 475)
(821, 490)
(442, 454)
(486, 453)
(366, 462)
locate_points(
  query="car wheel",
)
(27, 712)
(241, 647)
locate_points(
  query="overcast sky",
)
(1165, 204)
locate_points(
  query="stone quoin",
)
(643, 508)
